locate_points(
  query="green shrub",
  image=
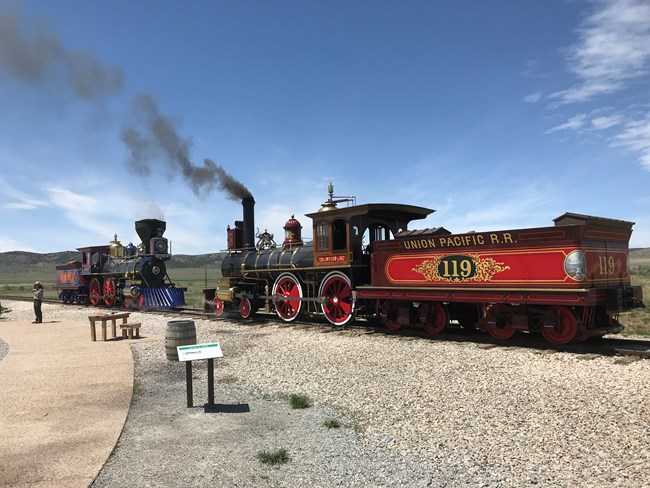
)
(300, 401)
(332, 424)
(279, 456)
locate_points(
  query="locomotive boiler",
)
(567, 282)
(129, 276)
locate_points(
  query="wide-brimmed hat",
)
(37, 283)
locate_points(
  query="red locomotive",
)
(567, 282)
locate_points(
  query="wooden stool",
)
(127, 330)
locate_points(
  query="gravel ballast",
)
(413, 412)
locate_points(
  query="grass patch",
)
(273, 458)
(332, 424)
(636, 322)
(299, 401)
(227, 380)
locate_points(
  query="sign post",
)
(200, 351)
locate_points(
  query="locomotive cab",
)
(345, 236)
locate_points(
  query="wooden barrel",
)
(178, 333)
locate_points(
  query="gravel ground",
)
(413, 412)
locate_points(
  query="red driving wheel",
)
(109, 292)
(288, 292)
(95, 291)
(337, 298)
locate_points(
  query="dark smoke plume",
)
(43, 58)
(157, 138)
(40, 57)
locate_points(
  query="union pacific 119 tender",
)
(567, 282)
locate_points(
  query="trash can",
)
(178, 333)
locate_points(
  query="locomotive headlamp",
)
(159, 245)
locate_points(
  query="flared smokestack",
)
(249, 221)
(147, 229)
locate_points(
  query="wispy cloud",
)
(533, 97)
(606, 122)
(636, 136)
(20, 200)
(613, 47)
(612, 52)
(85, 212)
(574, 123)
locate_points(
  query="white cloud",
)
(22, 201)
(613, 47)
(606, 122)
(636, 137)
(574, 123)
(533, 97)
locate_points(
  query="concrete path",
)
(63, 403)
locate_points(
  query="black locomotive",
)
(129, 276)
(569, 281)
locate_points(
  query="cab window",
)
(339, 237)
(322, 236)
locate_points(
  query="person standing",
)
(38, 300)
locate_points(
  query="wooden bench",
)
(128, 329)
(103, 320)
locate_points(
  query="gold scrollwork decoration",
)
(455, 269)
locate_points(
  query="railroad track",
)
(607, 346)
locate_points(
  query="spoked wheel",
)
(289, 292)
(247, 308)
(497, 322)
(390, 315)
(109, 292)
(95, 291)
(338, 299)
(218, 307)
(561, 325)
(434, 317)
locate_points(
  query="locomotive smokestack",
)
(249, 221)
(149, 228)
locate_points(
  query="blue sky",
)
(498, 114)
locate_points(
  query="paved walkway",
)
(63, 403)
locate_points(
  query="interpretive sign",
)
(199, 351)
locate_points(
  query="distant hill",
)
(15, 261)
(18, 261)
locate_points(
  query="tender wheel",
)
(109, 292)
(95, 291)
(338, 299)
(561, 325)
(218, 307)
(289, 292)
(247, 308)
(434, 317)
(497, 322)
(390, 315)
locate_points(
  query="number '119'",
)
(607, 265)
